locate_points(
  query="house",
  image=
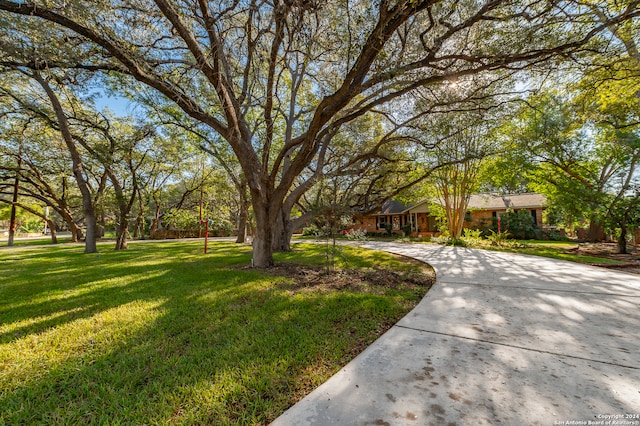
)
(395, 216)
(418, 220)
(484, 207)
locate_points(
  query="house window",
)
(535, 217)
(467, 217)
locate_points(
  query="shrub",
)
(356, 234)
(311, 230)
(554, 235)
(520, 225)
(498, 238)
(472, 237)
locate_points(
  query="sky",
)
(118, 105)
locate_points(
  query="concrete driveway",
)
(500, 339)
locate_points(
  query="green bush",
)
(554, 235)
(472, 237)
(356, 234)
(498, 238)
(520, 225)
(32, 226)
(311, 230)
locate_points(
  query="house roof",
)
(529, 200)
(510, 201)
(392, 207)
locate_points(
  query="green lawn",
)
(162, 334)
(555, 250)
(35, 241)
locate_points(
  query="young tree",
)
(465, 142)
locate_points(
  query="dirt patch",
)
(317, 278)
(609, 251)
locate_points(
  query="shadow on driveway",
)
(501, 338)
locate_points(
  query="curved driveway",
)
(500, 339)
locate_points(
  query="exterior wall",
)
(480, 218)
(427, 225)
(373, 223)
(365, 223)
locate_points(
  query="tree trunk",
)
(78, 233)
(262, 240)
(52, 229)
(121, 237)
(13, 223)
(124, 208)
(242, 225)
(73, 229)
(122, 226)
(282, 232)
(90, 220)
(140, 223)
(622, 238)
(78, 172)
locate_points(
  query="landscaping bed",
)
(629, 262)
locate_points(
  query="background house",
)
(483, 208)
(417, 220)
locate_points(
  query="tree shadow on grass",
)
(64, 285)
(183, 341)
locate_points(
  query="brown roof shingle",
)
(510, 201)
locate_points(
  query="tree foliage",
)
(277, 81)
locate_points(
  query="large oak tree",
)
(225, 63)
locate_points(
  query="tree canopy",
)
(277, 81)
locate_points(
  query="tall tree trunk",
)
(54, 232)
(78, 233)
(13, 224)
(121, 237)
(243, 217)
(73, 229)
(124, 208)
(262, 239)
(282, 232)
(622, 238)
(140, 223)
(622, 241)
(242, 225)
(78, 171)
(122, 224)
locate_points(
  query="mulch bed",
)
(609, 251)
(319, 278)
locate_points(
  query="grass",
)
(35, 241)
(559, 251)
(544, 248)
(552, 249)
(162, 334)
